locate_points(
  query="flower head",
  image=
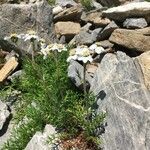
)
(13, 37)
(81, 53)
(96, 48)
(32, 36)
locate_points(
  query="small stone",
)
(68, 29)
(106, 44)
(57, 10)
(95, 33)
(65, 3)
(75, 73)
(135, 23)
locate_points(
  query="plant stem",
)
(84, 79)
(33, 50)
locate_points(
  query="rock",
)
(65, 3)
(68, 29)
(4, 114)
(107, 31)
(144, 61)
(91, 68)
(120, 90)
(15, 75)
(130, 39)
(86, 27)
(75, 73)
(9, 46)
(83, 38)
(39, 140)
(19, 18)
(57, 10)
(70, 14)
(112, 3)
(136, 9)
(106, 44)
(8, 68)
(145, 31)
(135, 23)
(95, 33)
(95, 17)
(96, 4)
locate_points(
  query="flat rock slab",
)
(4, 114)
(70, 14)
(131, 39)
(95, 17)
(111, 3)
(136, 9)
(121, 92)
(10, 66)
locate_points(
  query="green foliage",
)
(87, 4)
(51, 2)
(48, 97)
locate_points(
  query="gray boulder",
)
(19, 18)
(135, 23)
(121, 92)
(75, 73)
(107, 31)
(39, 140)
(4, 114)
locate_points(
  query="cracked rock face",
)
(19, 18)
(121, 92)
(4, 114)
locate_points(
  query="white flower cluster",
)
(31, 35)
(97, 48)
(46, 49)
(84, 54)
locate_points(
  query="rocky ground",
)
(119, 76)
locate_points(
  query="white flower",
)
(93, 47)
(81, 53)
(85, 59)
(74, 57)
(99, 50)
(58, 47)
(13, 37)
(31, 37)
